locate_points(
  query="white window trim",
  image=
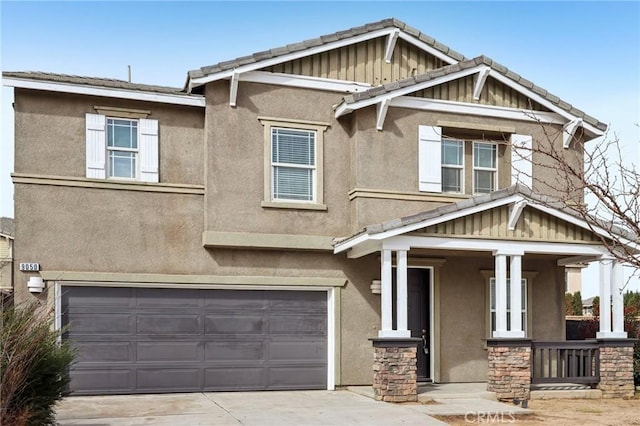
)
(134, 150)
(461, 167)
(474, 168)
(96, 144)
(319, 128)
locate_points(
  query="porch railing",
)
(565, 362)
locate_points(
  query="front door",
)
(418, 316)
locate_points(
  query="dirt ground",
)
(567, 412)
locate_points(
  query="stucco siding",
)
(50, 130)
(236, 161)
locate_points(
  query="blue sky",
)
(588, 53)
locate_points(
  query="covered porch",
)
(495, 299)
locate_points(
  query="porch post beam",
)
(386, 294)
(501, 295)
(605, 298)
(515, 283)
(401, 292)
(618, 300)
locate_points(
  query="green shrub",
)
(34, 366)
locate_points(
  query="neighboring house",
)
(228, 235)
(587, 307)
(6, 255)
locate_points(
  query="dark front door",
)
(418, 316)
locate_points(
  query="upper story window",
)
(485, 167)
(471, 162)
(121, 148)
(293, 164)
(452, 166)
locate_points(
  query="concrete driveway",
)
(240, 408)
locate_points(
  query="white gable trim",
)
(479, 85)
(426, 104)
(386, 32)
(345, 108)
(542, 101)
(190, 100)
(382, 237)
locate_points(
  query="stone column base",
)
(616, 368)
(509, 374)
(395, 369)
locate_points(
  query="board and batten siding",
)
(364, 62)
(532, 225)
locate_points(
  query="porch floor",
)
(455, 399)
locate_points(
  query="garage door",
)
(143, 340)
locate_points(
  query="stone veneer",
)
(616, 368)
(395, 370)
(509, 374)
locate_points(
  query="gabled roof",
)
(475, 65)
(326, 41)
(6, 227)
(510, 195)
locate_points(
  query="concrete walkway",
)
(470, 400)
(241, 408)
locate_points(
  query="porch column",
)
(617, 279)
(401, 293)
(386, 295)
(515, 281)
(605, 297)
(501, 295)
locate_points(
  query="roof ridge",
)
(323, 39)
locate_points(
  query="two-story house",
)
(256, 228)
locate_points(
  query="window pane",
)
(452, 152)
(122, 164)
(483, 181)
(292, 183)
(451, 180)
(122, 133)
(293, 146)
(484, 155)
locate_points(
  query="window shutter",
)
(149, 150)
(95, 134)
(521, 160)
(430, 158)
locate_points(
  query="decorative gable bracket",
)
(514, 214)
(569, 131)
(392, 39)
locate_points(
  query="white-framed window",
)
(293, 169)
(121, 148)
(469, 162)
(485, 167)
(492, 304)
(452, 165)
(293, 164)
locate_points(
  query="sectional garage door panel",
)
(143, 340)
